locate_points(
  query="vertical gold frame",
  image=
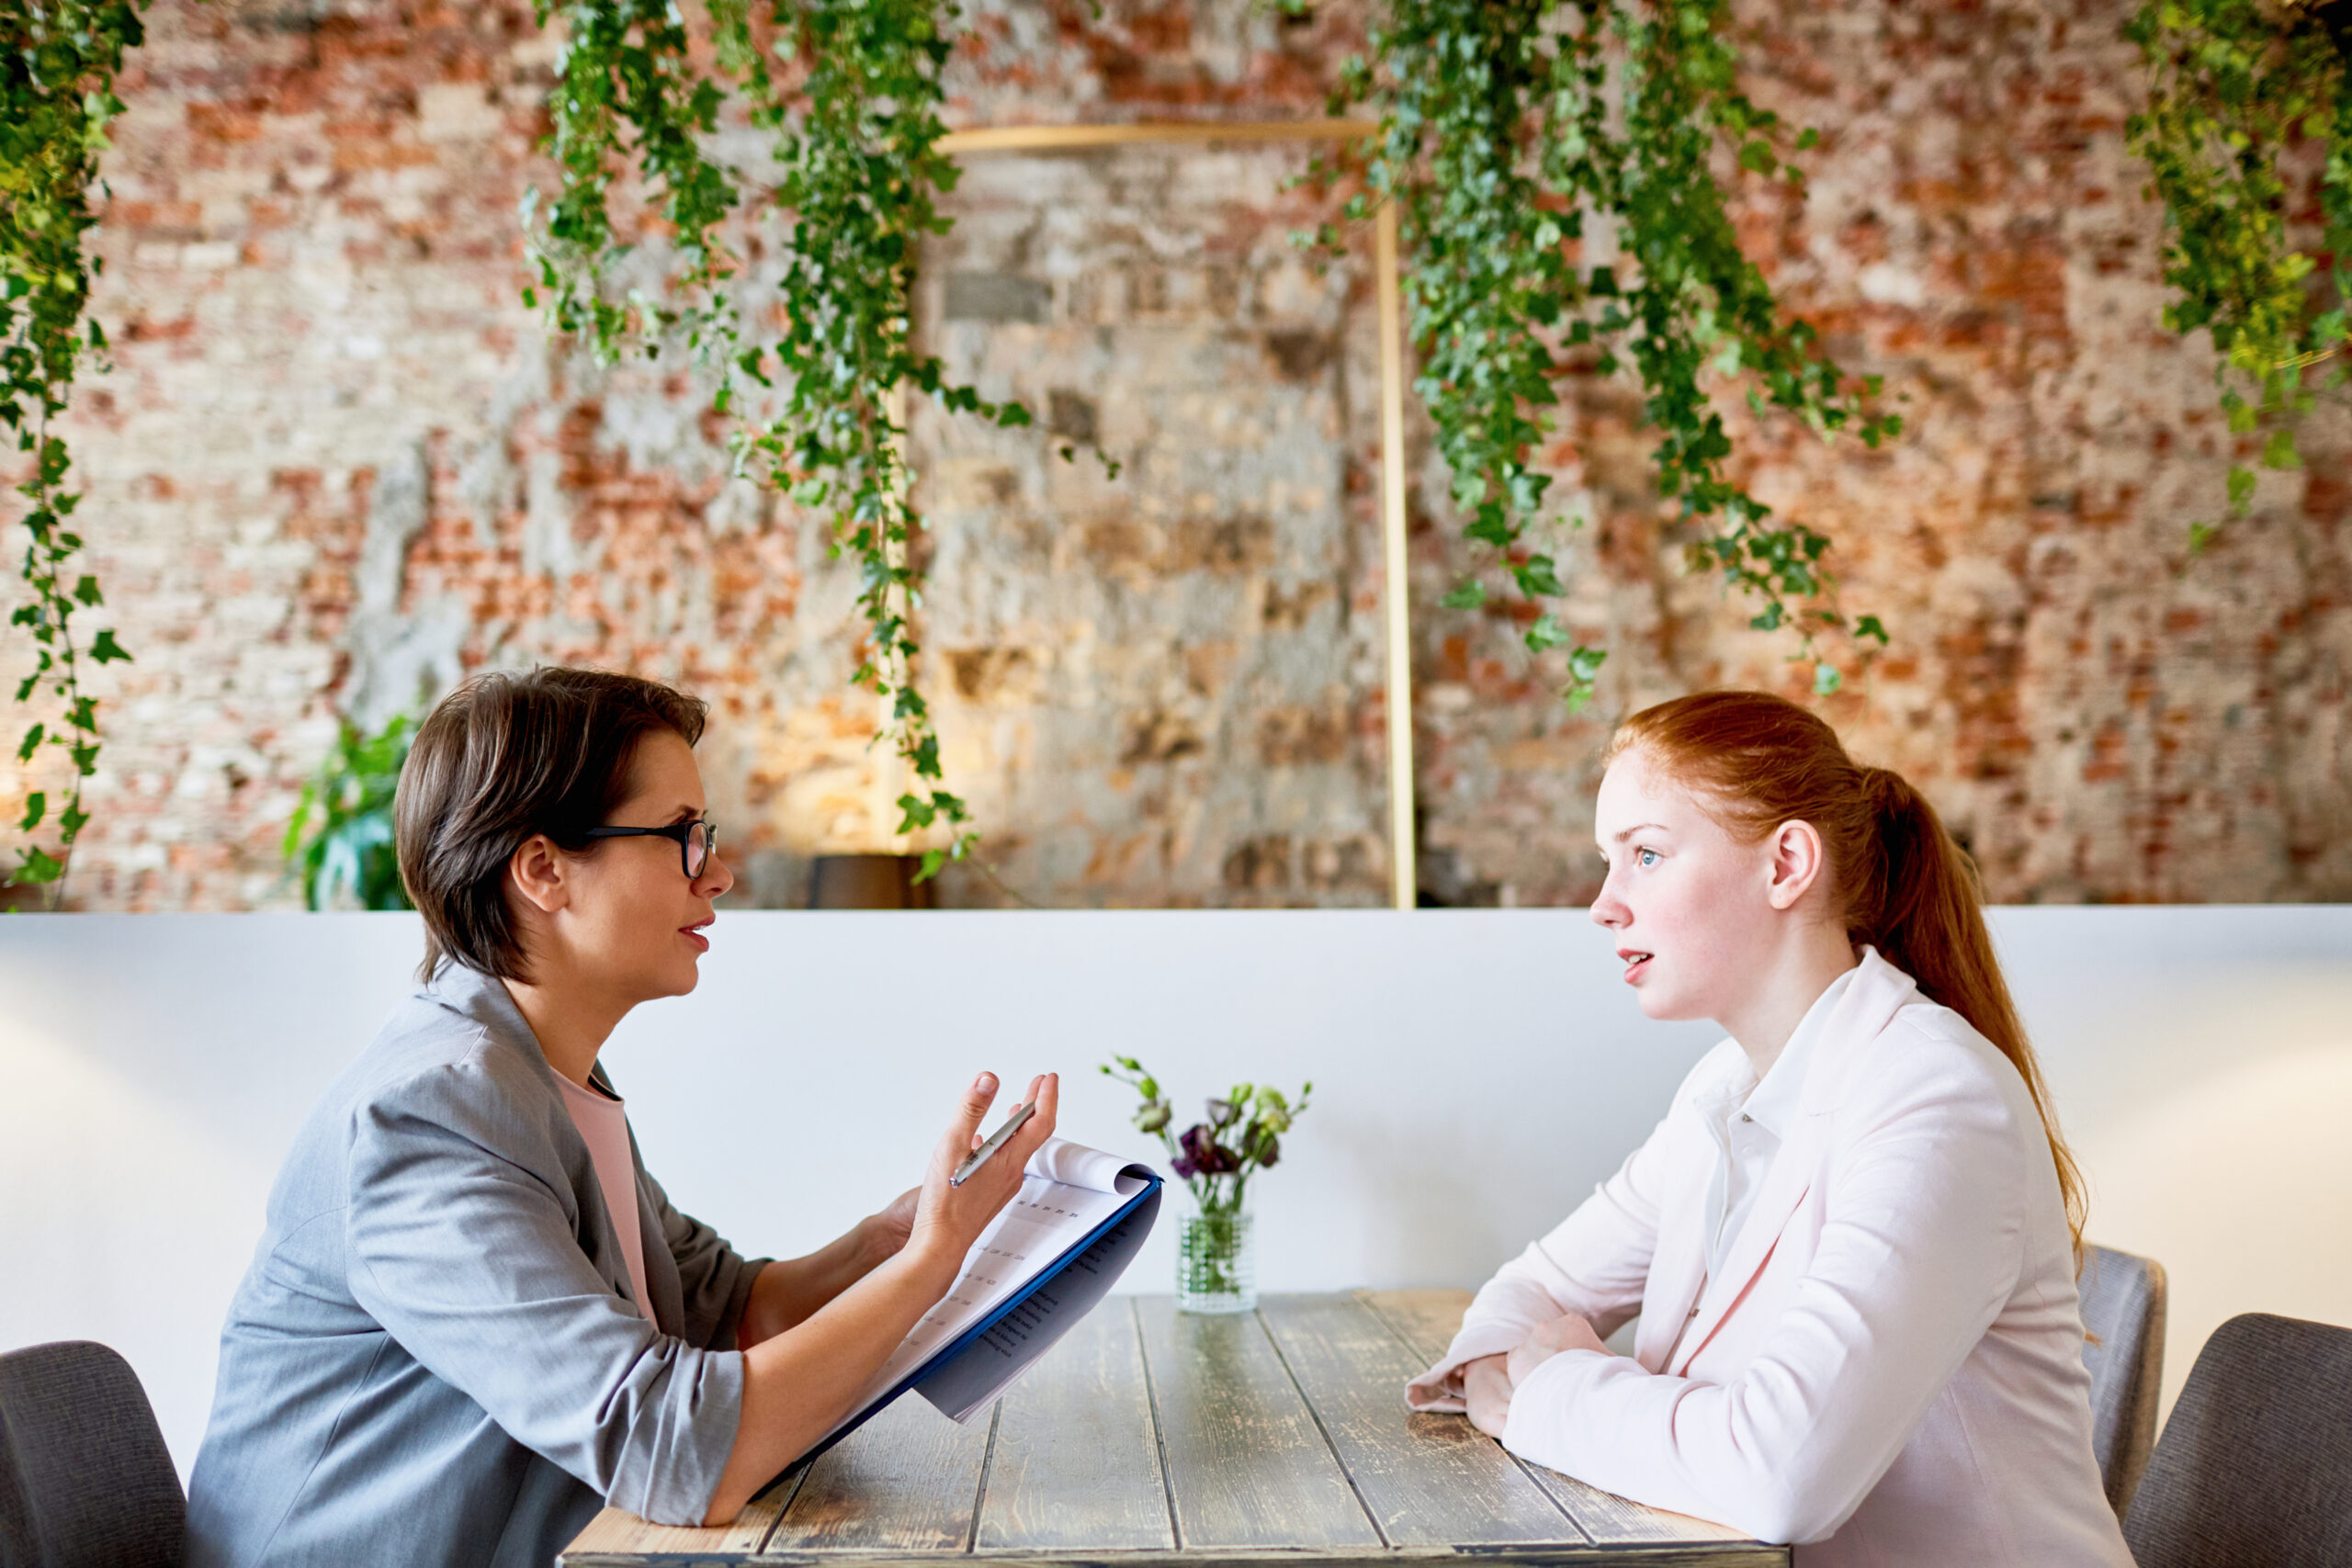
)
(1389, 311)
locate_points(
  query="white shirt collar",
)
(1773, 1101)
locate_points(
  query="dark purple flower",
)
(1208, 1156)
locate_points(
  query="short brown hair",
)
(503, 757)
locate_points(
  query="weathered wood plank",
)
(613, 1531)
(1426, 1480)
(907, 1480)
(1246, 1466)
(1075, 1465)
(1426, 1320)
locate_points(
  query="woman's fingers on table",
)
(1570, 1332)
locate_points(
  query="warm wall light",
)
(868, 882)
(1076, 138)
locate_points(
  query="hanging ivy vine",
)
(58, 61)
(2236, 87)
(1509, 130)
(849, 92)
(1507, 126)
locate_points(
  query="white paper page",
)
(1046, 1219)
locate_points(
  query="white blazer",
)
(1889, 1368)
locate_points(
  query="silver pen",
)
(979, 1156)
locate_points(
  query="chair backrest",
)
(2255, 1466)
(2123, 1313)
(84, 1478)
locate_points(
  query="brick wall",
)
(337, 464)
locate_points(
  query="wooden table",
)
(1150, 1439)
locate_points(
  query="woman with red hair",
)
(1852, 1240)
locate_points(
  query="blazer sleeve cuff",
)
(1544, 1405)
(670, 1477)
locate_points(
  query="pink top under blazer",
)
(1889, 1368)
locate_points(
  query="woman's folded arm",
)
(1593, 1263)
(1922, 1244)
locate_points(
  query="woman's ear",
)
(1796, 864)
(537, 872)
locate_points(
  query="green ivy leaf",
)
(1544, 633)
(35, 867)
(2241, 486)
(916, 814)
(1470, 595)
(1537, 576)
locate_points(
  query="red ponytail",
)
(1756, 760)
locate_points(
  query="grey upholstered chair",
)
(84, 1478)
(2123, 1311)
(2255, 1466)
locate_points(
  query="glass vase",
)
(1216, 1263)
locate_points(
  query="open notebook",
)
(1042, 1264)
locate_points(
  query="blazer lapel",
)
(1678, 1262)
(1785, 1185)
(668, 1307)
(1677, 1269)
(667, 1310)
(1870, 1002)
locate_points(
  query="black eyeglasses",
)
(697, 840)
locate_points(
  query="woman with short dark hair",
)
(473, 1318)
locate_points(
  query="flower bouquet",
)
(1216, 1261)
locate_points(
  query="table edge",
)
(1654, 1555)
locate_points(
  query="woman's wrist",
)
(932, 1262)
(877, 1242)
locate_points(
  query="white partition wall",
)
(1475, 1072)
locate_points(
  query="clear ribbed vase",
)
(1216, 1263)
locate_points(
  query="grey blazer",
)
(433, 1358)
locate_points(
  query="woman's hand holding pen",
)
(799, 1382)
(948, 1219)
